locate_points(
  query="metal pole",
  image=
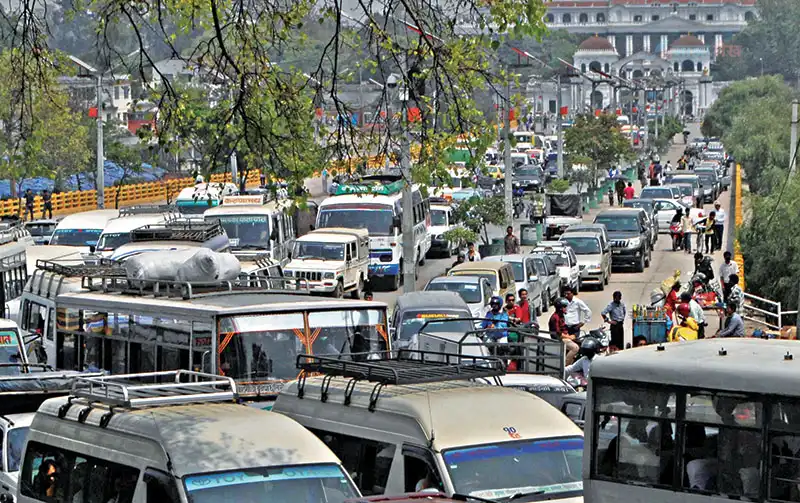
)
(410, 257)
(101, 181)
(507, 154)
(793, 143)
(559, 129)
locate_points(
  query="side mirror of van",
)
(6, 498)
(397, 223)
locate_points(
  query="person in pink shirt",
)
(629, 193)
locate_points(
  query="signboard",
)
(242, 200)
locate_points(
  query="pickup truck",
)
(562, 210)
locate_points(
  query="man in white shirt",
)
(719, 225)
(727, 268)
(578, 313)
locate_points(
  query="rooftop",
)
(688, 42)
(596, 43)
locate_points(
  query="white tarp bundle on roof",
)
(198, 265)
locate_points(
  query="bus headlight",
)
(329, 275)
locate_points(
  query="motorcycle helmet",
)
(683, 310)
(589, 347)
(561, 302)
(496, 301)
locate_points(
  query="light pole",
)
(100, 176)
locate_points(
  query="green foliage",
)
(559, 185)
(478, 213)
(597, 143)
(460, 235)
(728, 105)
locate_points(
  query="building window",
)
(601, 18)
(676, 67)
(637, 19)
(699, 67)
(692, 17)
(709, 17)
(583, 18)
(549, 18)
(687, 66)
(566, 19)
(583, 67)
(595, 65)
(749, 16)
(607, 67)
(655, 17)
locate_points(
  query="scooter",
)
(677, 236)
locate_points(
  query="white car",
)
(475, 290)
(441, 221)
(565, 259)
(665, 210)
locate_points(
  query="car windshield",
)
(542, 468)
(414, 320)
(706, 179)
(529, 172)
(653, 193)
(76, 237)
(619, 224)
(377, 221)
(9, 352)
(112, 240)
(321, 251)
(438, 217)
(307, 483)
(687, 181)
(646, 204)
(470, 292)
(685, 190)
(541, 269)
(583, 246)
(490, 276)
(519, 271)
(246, 231)
(559, 258)
(39, 230)
(16, 441)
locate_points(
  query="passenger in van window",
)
(45, 484)
(124, 487)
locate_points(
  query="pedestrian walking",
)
(29, 201)
(511, 242)
(537, 210)
(472, 253)
(614, 314)
(719, 225)
(47, 203)
(708, 232)
(619, 186)
(629, 192)
(262, 178)
(324, 180)
(687, 227)
(727, 269)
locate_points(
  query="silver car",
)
(527, 277)
(594, 259)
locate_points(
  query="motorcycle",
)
(676, 232)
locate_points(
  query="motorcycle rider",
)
(496, 318)
(589, 349)
(704, 264)
(687, 329)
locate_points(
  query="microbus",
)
(82, 229)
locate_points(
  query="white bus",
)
(705, 421)
(118, 230)
(375, 204)
(83, 229)
(252, 334)
(193, 201)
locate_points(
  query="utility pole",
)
(407, 224)
(507, 153)
(793, 143)
(101, 181)
(559, 129)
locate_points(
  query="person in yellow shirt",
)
(688, 328)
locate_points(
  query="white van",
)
(118, 230)
(433, 433)
(82, 229)
(333, 260)
(174, 235)
(193, 201)
(148, 438)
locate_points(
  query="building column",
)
(664, 46)
(717, 44)
(628, 45)
(702, 37)
(646, 42)
(613, 40)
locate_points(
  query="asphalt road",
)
(635, 287)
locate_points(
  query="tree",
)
(478, 213)
(597, 143)
(728, 105)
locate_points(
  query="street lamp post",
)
(101, 182)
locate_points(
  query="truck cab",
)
(332, 260)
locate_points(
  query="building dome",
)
(596, 44)
(688, 42)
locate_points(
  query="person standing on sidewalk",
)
(708, 232)
(719, 225)
(614, 314)
(511, 242)
(629, 191)
(324, 180)
(687, 226)
(29, 200)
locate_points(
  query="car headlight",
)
(439, 237)
(634, 242)
(329, 275)
(595, 267)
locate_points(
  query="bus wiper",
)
(524, 494)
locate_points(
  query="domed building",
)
(596, 54)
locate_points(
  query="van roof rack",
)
(174, 387)
(178, 230)
(147, 209)
(405, 366)
(187, 290)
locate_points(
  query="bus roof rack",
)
(154, 388)
(178, 230)
(147, 209)
(405, 366)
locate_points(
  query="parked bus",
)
(14, 243)
(193, 201)
(251, 334)
(701, 421)
(375, 204)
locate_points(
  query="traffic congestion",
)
(231, 347)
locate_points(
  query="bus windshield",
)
(76, 237)
(113, 240)
(541, 468)
(9, 352)
(308, 483)
(246, 231)
(438, 218)
(345, 332)
(192, 207)
(378, 221)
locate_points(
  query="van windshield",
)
(9, 352)
(489, 276)
(308, 483)
(414, 320)
(470, 292)
(113, 240)
(620, 224)
(376, 220)
(320, 251)
(246, 231)
(16, 441)
(438, 218)
(76, 237)
(541, 468)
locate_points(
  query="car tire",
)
(338, 292)
(546, 301)
(356, 293)
(640, 266)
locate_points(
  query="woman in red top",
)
(672, 299)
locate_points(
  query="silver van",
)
(148, 438)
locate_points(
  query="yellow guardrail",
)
(738, 216)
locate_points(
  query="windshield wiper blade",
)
(467, 497)
(524, 494)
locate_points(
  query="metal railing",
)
(764, 311)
